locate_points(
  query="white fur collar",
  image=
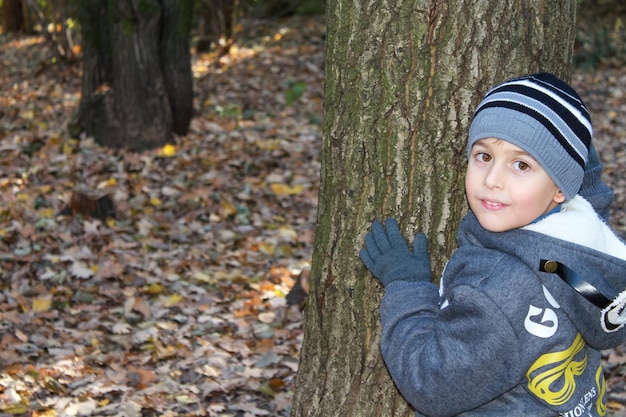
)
(579, 223)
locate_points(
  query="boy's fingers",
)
(394, 235)
(380, 237)
(420, 243)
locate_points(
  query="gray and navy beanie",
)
(545, 117)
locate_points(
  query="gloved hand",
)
(388, 257)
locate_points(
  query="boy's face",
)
(507, 188)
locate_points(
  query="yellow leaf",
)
(110, 222)
(287, 233)
(203, 277)
(42, 304)
(15, 409)
(68, 148)
(286, 250)
(54, 259)
(267, 248)
(185, 399)
(173, 300)
(46, 212)
(228, 209)
(166, 352)
(267, 145)
(284, 189)
(111, 182)
(168, 150)
(22, 197)
(155, 201)
(267, 390)
(154, 289)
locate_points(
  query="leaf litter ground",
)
(178, 306)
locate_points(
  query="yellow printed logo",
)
(601, 383)
(552, 377)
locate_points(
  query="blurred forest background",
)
(155, 281)
(217, 24)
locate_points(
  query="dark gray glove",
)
(388, 258)
(593, 189)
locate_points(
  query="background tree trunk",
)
(176, 61)
(137, 81)
(12, 16)
(402, 79)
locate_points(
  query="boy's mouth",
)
(492, 204)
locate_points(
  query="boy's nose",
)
(494, 177)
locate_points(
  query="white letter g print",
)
(540, 322)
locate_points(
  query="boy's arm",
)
(447, 361)
(429, 352)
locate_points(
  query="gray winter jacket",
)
(501, 337)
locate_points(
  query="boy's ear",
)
(559, 197)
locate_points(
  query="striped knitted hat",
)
(546, 118)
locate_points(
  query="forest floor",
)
(177, 307)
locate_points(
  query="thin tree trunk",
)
(402, 79)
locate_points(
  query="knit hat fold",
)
(543, 116)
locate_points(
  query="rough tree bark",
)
(176, 61)
(402, 79)
(137, 81)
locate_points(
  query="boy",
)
(537, 286)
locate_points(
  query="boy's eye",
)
(522, 166)
(483, 157)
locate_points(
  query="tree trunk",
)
(137, 82)
(176, 61)
(402, 80)
(12, 17)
